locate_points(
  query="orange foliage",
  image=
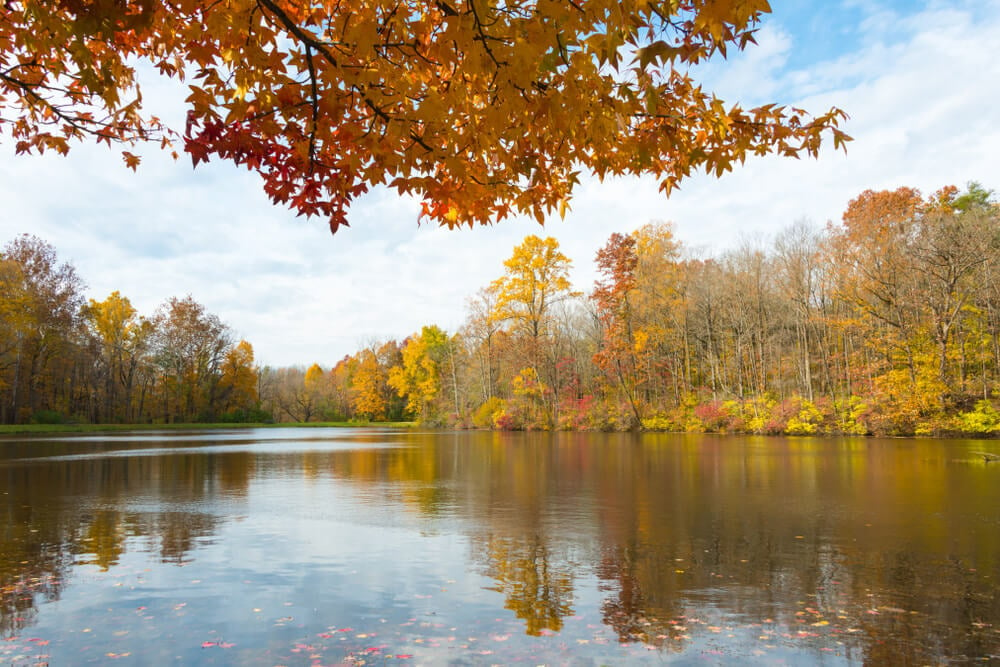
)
(481, 109)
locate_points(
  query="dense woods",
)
(887, 322)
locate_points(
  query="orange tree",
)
(481, 108)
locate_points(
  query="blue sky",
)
(919, 80)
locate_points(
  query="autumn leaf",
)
(479, 111)
(131, 160)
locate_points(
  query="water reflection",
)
(876, 551)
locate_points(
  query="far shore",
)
(27, 429)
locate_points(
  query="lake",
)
(395, 547)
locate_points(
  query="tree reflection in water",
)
(888, 551)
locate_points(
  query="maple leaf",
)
(326, 99)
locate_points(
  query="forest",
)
(887, 322)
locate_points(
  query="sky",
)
(920, 81)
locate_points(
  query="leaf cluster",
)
(482, 109)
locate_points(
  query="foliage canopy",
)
(483, 109)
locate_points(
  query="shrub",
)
(982, 420)
(575, 414)
(806, 421)
(243, 417)
(711, 416)
(48, 417)
(659, 422)
(505, 421)
(485, 415)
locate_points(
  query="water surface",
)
(341, 546)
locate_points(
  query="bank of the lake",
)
(27, 429)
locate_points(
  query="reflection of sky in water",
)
(499, 549)
(315, 434)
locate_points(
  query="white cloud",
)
(921, 91)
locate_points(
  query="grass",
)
(22, 429)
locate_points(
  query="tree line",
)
(887, 322)
(66, 358)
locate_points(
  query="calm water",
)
(319, 547)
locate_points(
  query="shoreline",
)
(30, 429)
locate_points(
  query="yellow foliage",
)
(806, 422)
(367, 384)
(239, 377)
(418, 378)
(526, 383)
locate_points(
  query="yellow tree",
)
(483, 109)
(123, 337)
(340, 379)
(419, 378)
(315, 390)
(238, 384)
(368, 386)
(659, 307)
(536, 279)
